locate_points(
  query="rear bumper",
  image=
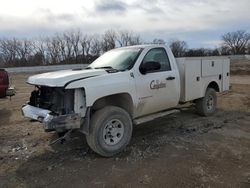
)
(52, 122)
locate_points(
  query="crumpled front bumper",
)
(52, 122)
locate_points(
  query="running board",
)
(154, 116)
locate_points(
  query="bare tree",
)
(236, 41)
(96, 46)
(178, 47)
(75, 42)
(200, 52)
(62, 47)
(53, 47)
(40, 50)
(248, 48)
(88, 44)
(8, 48)
(128, 38)
(108, 40)
(158, 41)
(24, 49)
(1, 61)
(123, 38)
(85, 42)
(136, 40)
(68, 47)
(223, 50)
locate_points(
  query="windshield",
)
(119, 59)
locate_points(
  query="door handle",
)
(170, 78)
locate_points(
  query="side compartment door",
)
(158, 89)
(226, 75)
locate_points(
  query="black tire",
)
(100, 139)
(206, 106)
(3, 94)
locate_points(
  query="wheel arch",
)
(122, 100)
(214, 85)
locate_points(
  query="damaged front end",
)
(57, 108)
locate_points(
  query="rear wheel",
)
(110, 132)
(206, 106)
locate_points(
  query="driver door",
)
(157, 90)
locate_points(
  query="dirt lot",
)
(240, 67)
(181, 150)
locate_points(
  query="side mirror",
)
(150, 66)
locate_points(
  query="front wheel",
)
(206, 106)
(110, 131)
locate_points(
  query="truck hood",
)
(61, 78)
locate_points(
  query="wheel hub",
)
(210, 102)
(113, 132)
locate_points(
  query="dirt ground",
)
(180, 150)
(241, 67)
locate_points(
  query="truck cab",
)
(121, 88)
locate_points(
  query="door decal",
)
(156, 84)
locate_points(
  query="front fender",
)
(105, 85)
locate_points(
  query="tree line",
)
(75, 47)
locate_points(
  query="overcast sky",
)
(199, 22)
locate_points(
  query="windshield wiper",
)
(104, 67)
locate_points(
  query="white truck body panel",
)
(98, 87)
(197, 73)
(60, 78)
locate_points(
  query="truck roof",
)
(143, 46)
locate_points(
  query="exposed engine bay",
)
(57, 108)
(58, 100)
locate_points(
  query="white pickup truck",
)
(123, 87)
